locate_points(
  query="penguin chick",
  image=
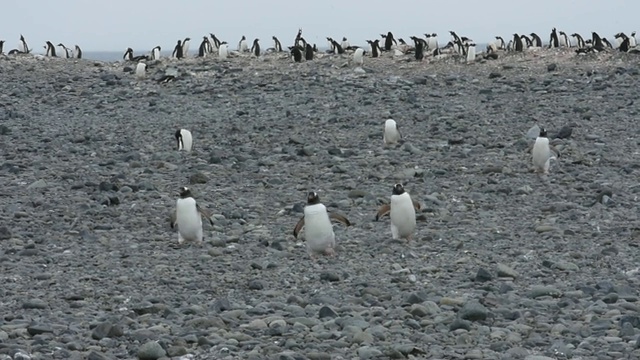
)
(543, 152)
(402, 211)
(188, 217)
(318, 228)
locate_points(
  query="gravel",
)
(505, 264)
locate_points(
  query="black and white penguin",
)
(141, 70)
(67, 52)
(358, 56)
(543, 152)
(432, 41)
(391, 133)
(177, 50)
(185, 47)
(527, 42)
(242, 45)
(1, 47)
(188, 217)
(296, 53)
(632, 40)
(375, 48)
(215, 43)
(78, 52)
(579, 41)
(51, 50)
(500, 43)
(418, 48)
(471, 53)
(255, 48)
(128, 55)
(318, 230)
(276, 44)
(596, 41)
(624, 45)
(184, 140)
(553, 39)
(389, 41)
(564, 39)
(308, 53)
(345, 43)
(607, 43)
(517, 43)
(402, 211)
(535, 40)
(22, 46)
(223, 50)
(155, 53)
(204, 47)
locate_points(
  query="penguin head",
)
(398, 189)
(185, 192)
(313, 198)
(543, 132)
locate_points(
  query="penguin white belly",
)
(632, 42)
(358, 56)
(222, 52)
(185, 49)
(541, 154)
(188, 221)
(471, 54)
(318, 229)
(391, 133)
(403, 216)
(141, 70)
(187, 140)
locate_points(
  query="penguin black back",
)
(308, 54)
(178, 136)
(398, 189)
(553, 41)
(388, 41)
(296, 54)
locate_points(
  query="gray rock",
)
(151, 350)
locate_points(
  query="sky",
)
(114, 25)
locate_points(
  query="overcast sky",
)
(118, 24)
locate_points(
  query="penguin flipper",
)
(339, 218)
(173, 218)
(204, 213)
(299, 226)
(383, 210)
(416, 204)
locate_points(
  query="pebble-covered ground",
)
(505, 263)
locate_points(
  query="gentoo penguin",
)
(242, 45)
(276, 44)
(579, 40)
(564, 39)
(535, 39)
(296, 53)
(255, 48)
(184, 139)
(155, 53)
(215, 43)
(389, 41)
(78, 53)
(188, 217)
(391, 132)
(204, 47)
(308, 52)
(433, 41)
(517, 43)
(542, 152)
(51, 50)
(632, 40)
(607, 43)
(596, 40)
(318, 231)
(402, 211)
(177, 50)
(418, 47)
(358, 56)
(553, 39)
(185, 47)
(471, 53)
(1, 46)
(375, 48)
(22, 46)
(345, 43)
(141, 70)
(223, 50)
(67, 51)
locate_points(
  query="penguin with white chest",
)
(391, 132)
(318, 231)
(188, 217)
(543, 152)
(184, 139)
(402, 211)
(141, 70)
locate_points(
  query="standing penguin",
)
(402, 211)
(22, 46)
(543, 152)
(223, 50)
(78, 52)
(188, 217)
(1, 46)
(184, 139)
(51, 50)
(204, 47)
(185, 47)
(471, 53)
(276, 44)
(141, 70)
(296, 54)
(391, 133)
(242, 44)
(177, 51)
(358, 56)
(308, 52)
(318, 228)
(155, 53)
(255, 48)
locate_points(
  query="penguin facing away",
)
(316, 221)
(402, 211)
(391, 132)
(543, 152)
(255, 48)
(78, 52)
(184, 139)
(188, 217)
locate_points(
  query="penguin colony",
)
(423, 47)
(317, 219)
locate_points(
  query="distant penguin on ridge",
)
(177, 50)
(543, 152)
(391, 133)
(223, 50)
(67, 51)
(553, 39)
(471, 53)
(276, 44)
(296, 54)
(1, 46)
(316, 221)
(536, 41)
(242, 45)
(255, 48)
(517, 43)
(308, 53)
(141, 70)
(564, 39)
(402, 211)
(204, 47)
(184, 139)
(632, 40)
(358, 56)
(375, 48)
(185, 47)
(155, 53)
(51, 50)
(22, 46)
(345, 43)
(188, 217)
(78, 52)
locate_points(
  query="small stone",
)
(552, 67)
(327, 312)
(542, 290)
(198, 178)
(473, 311)
(35, 304)
(506, 271)
(5, 233)
(36, 329)
(101, 331)
(151, 351)
(38, 184)
(483, 275)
